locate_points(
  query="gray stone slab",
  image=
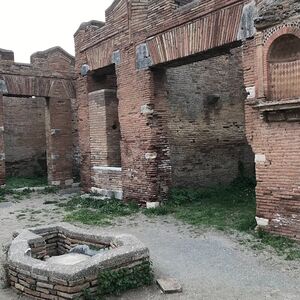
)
(169, 285)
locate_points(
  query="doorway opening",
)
(25, 141)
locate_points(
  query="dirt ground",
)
(209, 264)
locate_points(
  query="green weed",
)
(20, 182)
(97, 212)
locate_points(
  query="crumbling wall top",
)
(7, 55)
(54, 59)
(273, 12)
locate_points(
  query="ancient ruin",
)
(168, 94)
(184, 93)
(40, 265)
(37, 103)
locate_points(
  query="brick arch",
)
(269, 43)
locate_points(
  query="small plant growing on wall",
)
(116, 282)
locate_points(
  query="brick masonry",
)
(143, 40)
(207, 124)
(50, 76)
(25, 136)
(34, 276)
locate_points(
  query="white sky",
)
(28, 26)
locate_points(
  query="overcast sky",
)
(28, 26)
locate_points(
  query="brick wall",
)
(51, 76)
(272, 127)
(206, 123)
(24, 136)
(105, 139)
(197, 130)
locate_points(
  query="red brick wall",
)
(59, 141)
(141, 144)
(207, 135)
(50, 75)
(25, 136)
(143, 107)
(173, 33)
(273, 132)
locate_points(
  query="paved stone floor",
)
(209, 265)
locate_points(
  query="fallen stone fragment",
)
(169, 285)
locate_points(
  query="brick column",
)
(59, 141)
(105, 143)
(260, 67)
(104, 128)
(2, 148)
(144, 145)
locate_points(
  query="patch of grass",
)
(22, 194)
(227, 208)
(97, 212)
(283, 246)
(49, 190)
(222, 207)
(116, 282)
(20, 182)
(162, 210)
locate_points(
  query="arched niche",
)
(283, 62)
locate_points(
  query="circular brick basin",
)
(40, 265)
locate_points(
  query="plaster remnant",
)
(84, 70)
(147, 109)
(151, 155)
(260, 158)
(262, 222)
(151, 205)
(116, 57)
(143, 58)
(251, 93)
(247, 28)
(3, 87)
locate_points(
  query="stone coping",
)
(128, 250)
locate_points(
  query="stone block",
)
(169, 285)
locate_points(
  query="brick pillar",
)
(2, 148)
(104, 128)
(144, 146)
(59, 141)
(105, 143)
(84, 132)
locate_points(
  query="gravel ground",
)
(209, 264)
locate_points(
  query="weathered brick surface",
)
(206, 123)
(272, 121)
(155, 125)
(50, 75)
(25, 136)
(43, 284)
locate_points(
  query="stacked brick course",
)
(25, 136)
(50, 75)
(43, 280)
(142, 39)
(206, 125)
